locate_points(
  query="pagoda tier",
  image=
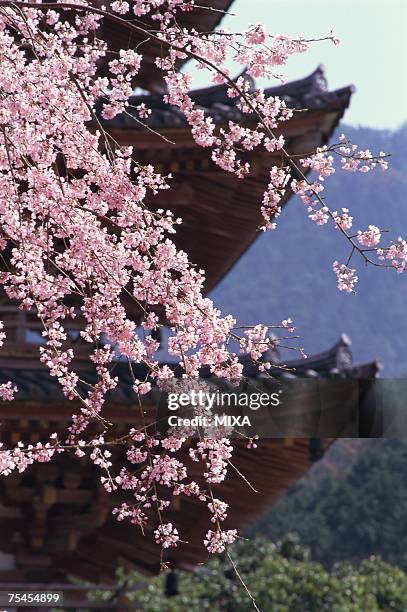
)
(221, 213)
(56, 519)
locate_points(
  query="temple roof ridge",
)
(35, 383)
(308, 93)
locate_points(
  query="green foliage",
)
(282, 578)
(361, 515)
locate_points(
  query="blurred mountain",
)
(288, 272)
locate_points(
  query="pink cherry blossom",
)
(371, 237)
(76, 229)
(346, 277)
(166, 535)
(217, 541)
(344, 220)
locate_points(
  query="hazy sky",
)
(372, 55)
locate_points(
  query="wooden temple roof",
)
(309, 93)
(56, 518)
